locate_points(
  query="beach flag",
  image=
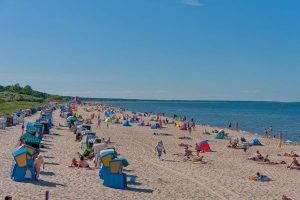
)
(279, 145)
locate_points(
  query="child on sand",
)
(74, 163)
(38, 162)
(160, 148)
(197, 149)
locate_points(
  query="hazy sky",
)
(153, 49)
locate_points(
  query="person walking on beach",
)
(266, 132)
(159, 149)
(229, 126)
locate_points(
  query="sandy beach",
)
(224, 177)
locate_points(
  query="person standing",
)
(229, 125)
(266, 132)
(193, 124)
(159, 149)
(23, 127)
(271, 130)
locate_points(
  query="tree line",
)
(27, 90)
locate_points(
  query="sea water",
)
(252, 117)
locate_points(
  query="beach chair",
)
(85, 136)
(97, 148)
(106, 156)
(2, 123)
(22, 167)
(116, 179)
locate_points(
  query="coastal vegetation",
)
(14, 97)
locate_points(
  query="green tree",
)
(15, 88)
(27, 90)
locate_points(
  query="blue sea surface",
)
(253, 117)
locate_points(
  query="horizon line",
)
(190, 100)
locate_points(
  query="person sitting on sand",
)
(187, 152)
(266, 159)
(257, 156)
(83, 163)
(74, 163)
(233, 144)
(38, 162)
(295, 164)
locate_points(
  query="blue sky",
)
(153, 49)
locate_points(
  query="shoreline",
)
(257, 135)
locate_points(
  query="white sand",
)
(225, 177)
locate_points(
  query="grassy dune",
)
(10, 107)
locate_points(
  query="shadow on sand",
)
(49, 157)
(128, 170)
(165, 160)
(56, 134)
(141, 190)
(47, 173)
(51, 163)
(44, 183)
